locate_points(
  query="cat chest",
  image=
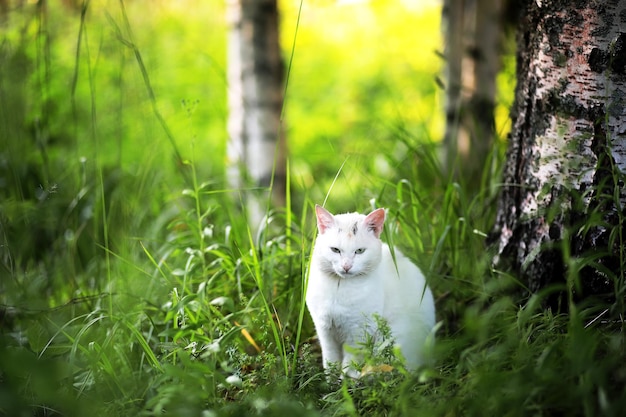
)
(346, 292)
(343, 307)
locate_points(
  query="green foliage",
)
(130, 283)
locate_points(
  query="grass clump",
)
(202, 317)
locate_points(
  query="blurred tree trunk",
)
(561, 208)
(473, 34)
(256, 148)
(4, 10)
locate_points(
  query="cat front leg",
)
(348, 364)
(363, 336)
(352, 354)
(332, 353)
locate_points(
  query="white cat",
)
(352, 278)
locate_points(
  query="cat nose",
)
(346, 266)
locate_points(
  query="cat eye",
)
(359, 251)
(336, 250)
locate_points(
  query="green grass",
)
(131, 284)
(196, 315)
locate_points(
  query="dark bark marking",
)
(602, 215)
(618, 55)
(598, 60)
(615, 59)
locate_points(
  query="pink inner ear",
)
(375, 221)
(325, 219)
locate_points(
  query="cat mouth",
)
(346, 275)
(342, 274)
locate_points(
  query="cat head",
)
(348, 245)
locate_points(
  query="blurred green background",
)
(129, 282)
(362, 73)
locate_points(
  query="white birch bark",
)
(567, 154)
(256, 148)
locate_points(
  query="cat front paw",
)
(351, 372)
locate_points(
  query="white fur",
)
(353, 277)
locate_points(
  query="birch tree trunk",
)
(562, 201)
(256, 149)
(473, 34)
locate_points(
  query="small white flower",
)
(234, 380)
(214, 347)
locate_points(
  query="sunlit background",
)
(360, 73)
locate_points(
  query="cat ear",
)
(324, 219)
(375, 221)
